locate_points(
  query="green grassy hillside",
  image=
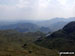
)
(13, 43)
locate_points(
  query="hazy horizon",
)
(36, 9)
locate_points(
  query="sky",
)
(36, 9)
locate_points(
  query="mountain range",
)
(33, 26)
(55, 23)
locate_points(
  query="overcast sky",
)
(36, 9)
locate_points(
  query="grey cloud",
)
(35, 9)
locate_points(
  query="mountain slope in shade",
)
(69, 28)
(62, 40)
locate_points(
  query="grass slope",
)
(13, 43)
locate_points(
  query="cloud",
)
(36, 9)
(23, 3)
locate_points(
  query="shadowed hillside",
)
(62, 40)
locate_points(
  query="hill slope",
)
(62, 40)
(13, 43)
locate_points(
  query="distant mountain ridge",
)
(33, 26)
(25, 27)
(54, 20)
(55, 23)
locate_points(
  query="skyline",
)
(36, 9)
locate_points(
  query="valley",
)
(28, 39)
